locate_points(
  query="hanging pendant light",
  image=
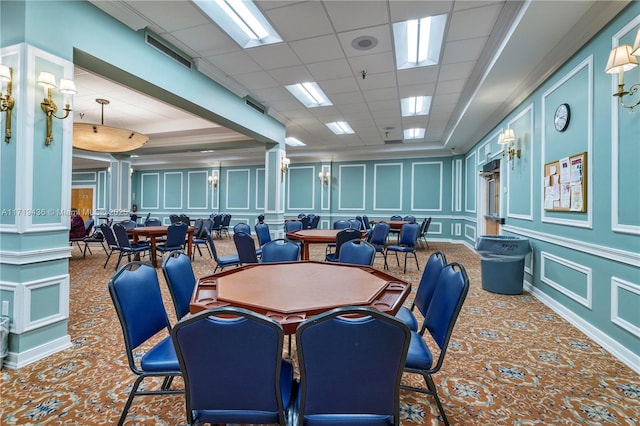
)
(101, 138)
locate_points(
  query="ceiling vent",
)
(393, 141)
(255, 105)
(163, 47)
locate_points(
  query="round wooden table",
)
(313, 236)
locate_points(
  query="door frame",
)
(481, 189)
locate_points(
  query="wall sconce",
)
(324, 177)
(213, 181)
(6, 101)
(284, 166)
(49, 107)
(623, 58)
(506, 139)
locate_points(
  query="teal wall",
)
(584, 265)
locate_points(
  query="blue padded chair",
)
(224, 224)
(395, 217)
(342, 237)
(292, 225)
(365, 222)
(176, 235)
(199, 236)
(242, 227)
(409, 218)
(112, 243)
(92, 237)
(355, 224)
(221, 261)
(341, 224)
(306, 220)
(357, 252)
(350, 367)
(181, 281)
(245, 247)
(424, 228)
(217, 224)
(263, 234)
(231, 362)
(126, 246)
(280, 250)
(314, 222)
(153, 222)
(378, 238)
(446, 303)
(407, 243)
(136, 296)
(435, 264)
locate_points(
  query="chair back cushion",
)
(280, 251)
(242, 227)
(430, 275)
(357, 252)
(292, 225)
(446, 302)
(109, 236)
(341, 224)
(345, 235)
(181, 281)
(409, 234)
(263, 234)
(380, 233)
(231, 361)
(246, 247)
(135, 292)
(121, 235)
(176, 233)
(351, 366)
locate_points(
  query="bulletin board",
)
(565, 184)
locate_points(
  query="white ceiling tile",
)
(377, 80)
(457, 71)
(389, 93)
(171, 14)
(416, 90)
(204, 38)
(405, 10)
(310, 20)
(346, 15)
(339, 85)
(274, 56)
(256, 80)
(318, 49)
(234, 63)
(330, 70)
(375, 63)
(463, 50)
(347, 98)
(291, 75)
(421, 75)
(473, 23)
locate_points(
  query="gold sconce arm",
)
(49, 107)
(284, 166)
(7, 102)
(621, 93)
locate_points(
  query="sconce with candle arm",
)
(7, 102)
(49, 107)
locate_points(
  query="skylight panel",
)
(241, 20)
(415, 133)
(415, 105)
(291, 141)
(340, 127)
(418, 41)
(309, 94)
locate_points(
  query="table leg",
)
(190, 245)
(152, 252)
(305, 250)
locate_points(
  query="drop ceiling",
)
(495, 53)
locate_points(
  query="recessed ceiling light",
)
(207, 150)
(309, 94)
(364, 42)
(340, 127)
(415, 105)
(415, 133)
(241, 20)
(291, 141)
(418, 41)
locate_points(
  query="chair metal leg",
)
(107, 261)
(432, 387)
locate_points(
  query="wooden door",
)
(492, 203)
(82, 199)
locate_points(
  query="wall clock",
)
(561, 117)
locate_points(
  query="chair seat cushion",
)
(164, 247)
(400, 248)
(406, 316)
(350, 419)
(230, 259)
(419, 356)
(161, 357)
(331, 257)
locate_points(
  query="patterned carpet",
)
(512, 361)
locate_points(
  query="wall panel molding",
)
(583, 300)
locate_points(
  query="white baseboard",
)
(18, 360)
(629, 358)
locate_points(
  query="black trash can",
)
(502, 262)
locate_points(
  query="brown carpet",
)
(512, 361)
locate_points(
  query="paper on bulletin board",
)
(576, 172)
(565, 196)
(576, 197)
(565, 175)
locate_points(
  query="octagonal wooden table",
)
(291, 292)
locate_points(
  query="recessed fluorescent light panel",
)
(418, 41)
(415, 133)
(241, 20)
(309, 94)
(340, 127)
(415, 105)
(293, 142)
